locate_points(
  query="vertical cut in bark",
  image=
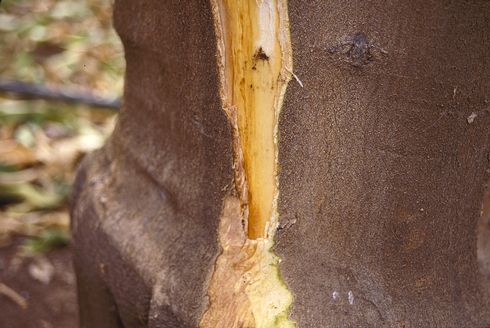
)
(255, 64)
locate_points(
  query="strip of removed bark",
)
(255, 66)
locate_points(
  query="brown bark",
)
(382, 163)
(389, 170)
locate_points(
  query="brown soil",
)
(49, 305)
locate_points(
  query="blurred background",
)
(56, 56)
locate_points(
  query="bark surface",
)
(383, 156)
(146, 209)
(381, 170)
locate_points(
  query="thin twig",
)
(295, 77)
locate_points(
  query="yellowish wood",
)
(257, 55)
(254, 60)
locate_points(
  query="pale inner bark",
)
(256, 58)
(255, 66)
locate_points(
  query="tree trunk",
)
(236, 193)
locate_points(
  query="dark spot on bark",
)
(359, 52)
(259, 55)
(356, 49)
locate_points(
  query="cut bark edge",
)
(255, 66)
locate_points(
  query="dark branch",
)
(24, 90)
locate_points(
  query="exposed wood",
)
(255, 63)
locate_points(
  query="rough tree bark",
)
(235, 194)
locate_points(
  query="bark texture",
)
(380, 168)
(146, 208)
(383, 155)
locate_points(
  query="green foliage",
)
(47, 241)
